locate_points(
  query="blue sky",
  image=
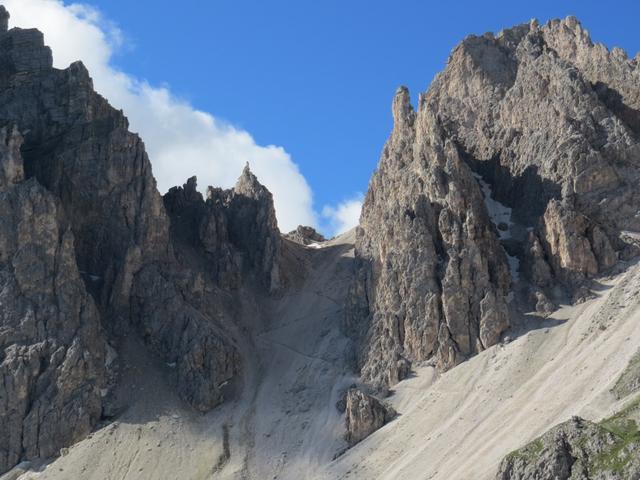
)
(317, 77)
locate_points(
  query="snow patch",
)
(500, 216)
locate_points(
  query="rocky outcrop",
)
(253, 228)
(201, 230)
(547, 123)
(536, 111)
(187, 310)
(578, 450)
(236, 229)
(79, 148)
(576, 248)
(305, 235)
(182, 318)
(11, 167)
(91, 251)
(52, 346)
(364, 415)
(433, 278)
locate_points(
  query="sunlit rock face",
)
(536, 121)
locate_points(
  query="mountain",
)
(93, 253)
(480, 322)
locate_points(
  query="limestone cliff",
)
(510, 187)
(535, 124)
(91, 252)
(433, 278)
(52, 347)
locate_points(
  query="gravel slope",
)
(286, 426)
(461, 425)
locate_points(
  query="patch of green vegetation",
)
(627, 441)
(619, 420)
(629, 381)
(616, 458)
(529, 452)
(615, 439)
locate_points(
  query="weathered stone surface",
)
(535, 107)
(11, 167)
(433, 277)
(578, 450)
(181, 316)
(52, 347)
(185, 310)
(549, 122)
(253, 228)
(80, 149)
(576, 248)
(305, 235)
(23, 50)
(236, 229)
(364, 415)
(172, 271)
(4, 20)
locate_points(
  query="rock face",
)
(578, 450)
(519, 168)
(236, 228)
(364, 415)
(305, 235)
(549, 120)
(576, 248)
(79, 148)
(433, 277)
(11, 168)
(185, 313)
(90, 251)
(253, 227)
(547, 123)
(52, 347)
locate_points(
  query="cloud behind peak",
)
(181, 140)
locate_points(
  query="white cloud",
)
(345, 216)
(181, 140)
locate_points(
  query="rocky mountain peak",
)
(535, 125)
(22, 50)
(511, 189)
(403, 113)
(249, 185)
(305, 235)
(91, 253)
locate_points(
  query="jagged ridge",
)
(548, 121)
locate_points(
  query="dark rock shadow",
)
(615, 102)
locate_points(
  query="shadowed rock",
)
(364, 415)
(4, 20)
(90, 251)
(305, 235)
(52, 347)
